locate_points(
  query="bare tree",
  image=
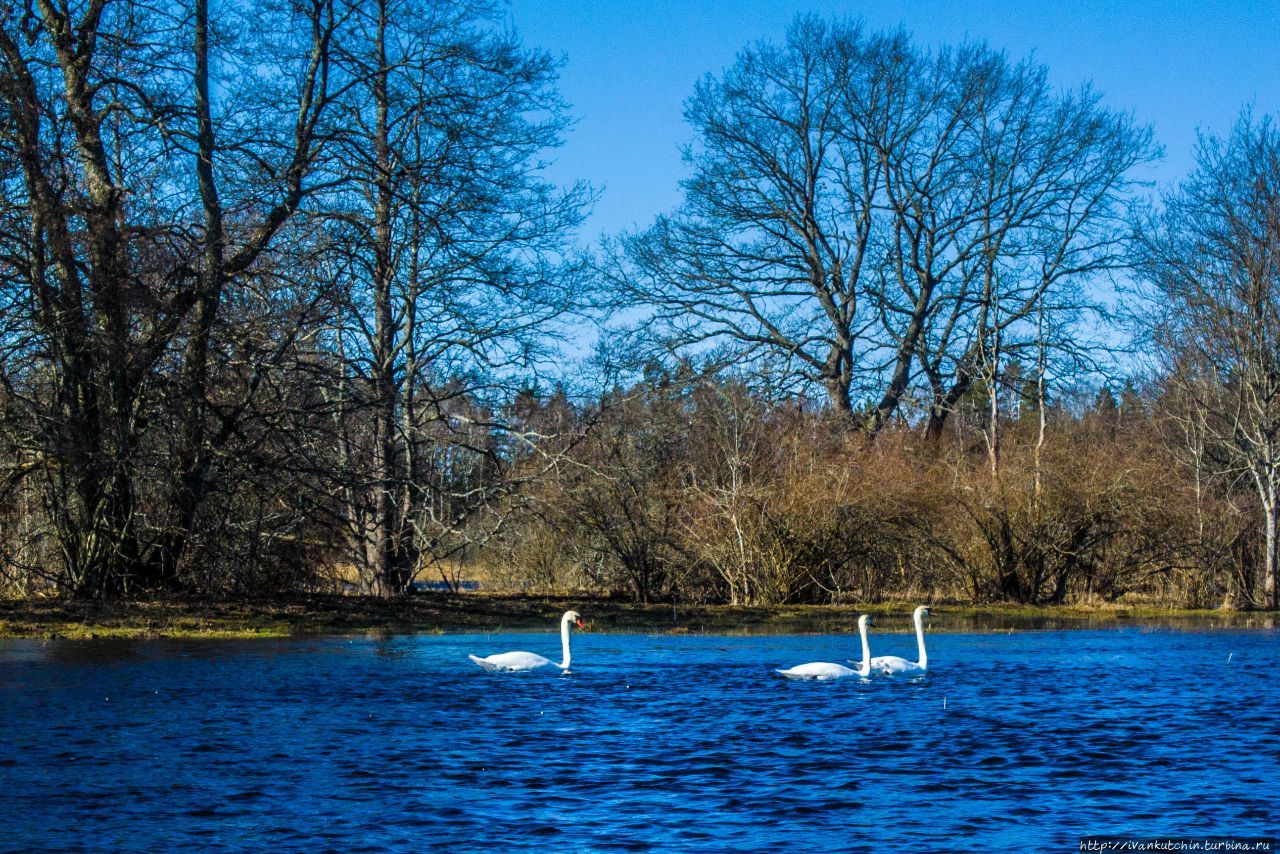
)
(770, 249)
(1212, 259)
(138, 203)
(875, 216)
(1005, 197)
(455, 261)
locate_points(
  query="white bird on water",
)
(516, 662)
(889, 665)
(825, 670)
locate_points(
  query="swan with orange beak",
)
(518, 662)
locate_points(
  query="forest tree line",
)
(287, 303)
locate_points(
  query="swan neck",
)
(865, 669)
(564, 644)
(924, 657)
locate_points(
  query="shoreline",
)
(288, 616)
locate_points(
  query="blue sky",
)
(1177, 65)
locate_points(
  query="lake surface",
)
(1022, 741)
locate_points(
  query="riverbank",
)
(439, 612)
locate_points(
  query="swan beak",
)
(579, 624)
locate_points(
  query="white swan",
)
(514, 662)
(825, 670)
(889, 665)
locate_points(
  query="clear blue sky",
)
(1178, 65)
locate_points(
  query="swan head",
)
(922, 612)
(573, 617)
(866, 620)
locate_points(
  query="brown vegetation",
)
(704, 494)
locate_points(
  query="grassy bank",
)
(301, 615)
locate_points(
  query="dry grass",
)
(332, 614)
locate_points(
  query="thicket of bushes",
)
(702, 493)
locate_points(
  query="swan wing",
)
(891, 664)
(819, 670)
(510, 662)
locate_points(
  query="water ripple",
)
(1023, 741)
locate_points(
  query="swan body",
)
(519, 662)
(511, 662)
(892, 665)
(823, 671)
(820, 671)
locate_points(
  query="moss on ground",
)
(189, 617)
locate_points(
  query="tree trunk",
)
(192, 452)
(944, 403)
(837, 377)
(838, 394)
(901, 376)
(387, 579)
(1271, 565)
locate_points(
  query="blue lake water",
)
(1021, 741)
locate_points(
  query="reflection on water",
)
(1020, 741)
